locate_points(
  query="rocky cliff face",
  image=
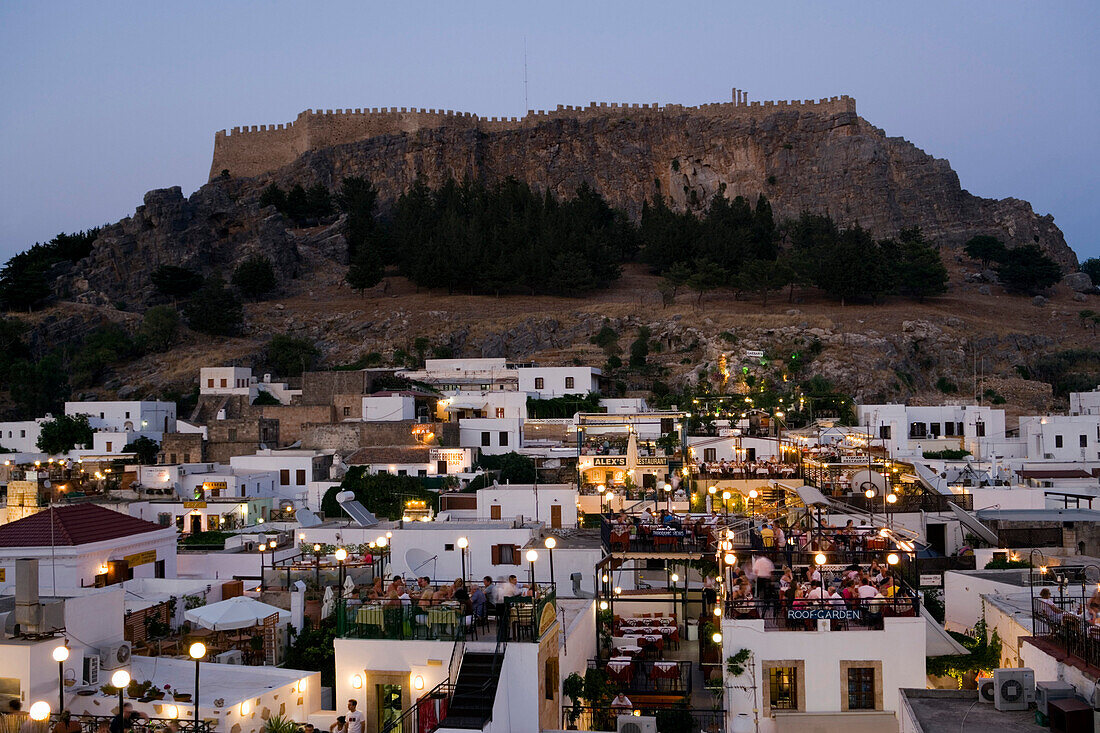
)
(803, 161)
(838, 164)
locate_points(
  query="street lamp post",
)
(263, 546)
(600, 488)
(463, 543)
(532, 555)
(119, 680)
(891, 499)
(341, 554)
(197, 652)
(60, 654)
(753, 493)
(726, 507)
(710, 491)
(317, 564)
(551, 543)
(668, 497)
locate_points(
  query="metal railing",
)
(92, 723)
(644, 676)
(686, 535)
(916, 502)
(425, 714)
(1063, 620)
(781, 614)
(678, 718)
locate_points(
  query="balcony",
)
(1063, 622)
(676, 537)
(803, 615)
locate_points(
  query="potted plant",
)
(573, 688)
(137, 690)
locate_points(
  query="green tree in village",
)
(214, 309)
(358, 199)
(917, 269)
(64, 433)
(985, 248)
(289, 356)
(255, 277)
(159, 327)
(1026, 269)
(146, 450)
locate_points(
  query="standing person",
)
(355, 717)
(66, 724)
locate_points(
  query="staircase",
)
(471, 705)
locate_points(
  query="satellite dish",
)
(416, 559)
(863, 480)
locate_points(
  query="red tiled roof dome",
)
(72, 525)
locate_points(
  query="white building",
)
(239, 381)
(1061, 437)
(912, 430)
(21, 436)
(452, 375)
(148, 417)
(819, 679)
(1085, 403)
(209, 480)
(491, 435)
(85, 545)
(389, 407)
(555, 505)
(295, 469)
(549, 382)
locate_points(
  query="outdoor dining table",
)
(445, 615)
(665, 671)
(629, 651)
(370, 615)
(647, 640)
(620, 670)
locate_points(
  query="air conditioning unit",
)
(115, 656)
(1013, 689)
(635, 724)
(1047, 691)
(985, 690)
(233, 656)
(91, 671)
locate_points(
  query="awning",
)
(459, 406)
(971, 522)
(937, 642)
(810, 496)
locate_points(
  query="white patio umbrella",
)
(328, 602)
(349, 586)
(234, 613)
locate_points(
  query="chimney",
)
(28, 611)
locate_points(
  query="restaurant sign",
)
(934, 580)
(853, 459)
(215, 486)
(194, 505)
(652, 461)
(141, 558)
(838, 614)
(598, 461)
(452, 457)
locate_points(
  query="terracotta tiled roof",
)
(388, 454)
(80, 524)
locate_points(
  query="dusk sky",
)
(106, 100)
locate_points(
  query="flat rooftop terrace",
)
(940, 711)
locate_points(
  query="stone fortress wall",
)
(253, 150)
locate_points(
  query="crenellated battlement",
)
(256, 149)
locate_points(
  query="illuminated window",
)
(783, 688)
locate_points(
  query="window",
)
(232, 434)
(173, 457)
(347, 412)
(949, 428)
(109, 446)
(486, 439)
(224, 383)
(284, 477)
(494, 511)
(958, 428)
(979, 429)
(213, 521)
(569, 382)
(1057, 441)
(127, 415)
(505, 555)
(540, 383)
(550, 679)
(917, 430)
(402, 472)
(158, 569)
(1083, 441)
(300, 477)
(186, 457)
(210, 383)
(884, 432)
(22, 433)
(934, 429)
(164, 519)
(710, 455)
(861, 688)
(783, 688)
(503, 438)
(500, 412)
(101, 416)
